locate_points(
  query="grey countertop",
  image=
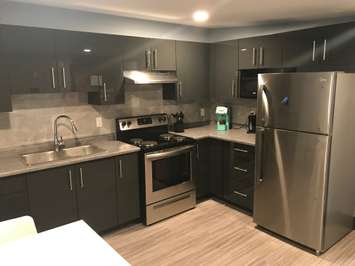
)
(233, 135)
(11, 162)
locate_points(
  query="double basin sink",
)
(67, 153)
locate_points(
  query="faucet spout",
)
(58, 141)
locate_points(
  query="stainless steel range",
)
(167, 165)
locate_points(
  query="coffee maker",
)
(179, 122)
(251, 123)
(222, 118)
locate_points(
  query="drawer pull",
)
(240, 194)
(240, 169)
(240, 150)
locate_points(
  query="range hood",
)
(147, 77)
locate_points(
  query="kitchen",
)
(161, 137)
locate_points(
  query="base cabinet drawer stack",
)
(239, 183)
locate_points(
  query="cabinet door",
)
(30, 58)
(97, 194)
(225, 82)
(136, 55)
(336, 47)
(239, 183)
(90, 62)
(300, 49)
(248, 53)
(5, 87)
(13, 197)
(128, 188)
(163, 55)
(203, 177)
(52, 197)
(216, 163)
(192, 71)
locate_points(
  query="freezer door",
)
(296, 101)
(290, 184)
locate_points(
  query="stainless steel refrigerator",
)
(305, 156)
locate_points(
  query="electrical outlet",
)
(99, 121)
(202, 112)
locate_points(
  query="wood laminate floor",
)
(215, 234)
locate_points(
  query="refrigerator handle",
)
(266, 108)
(259, 155)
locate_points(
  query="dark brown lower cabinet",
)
(203, 177)
(217, 167)
(52, 197)
(13, 197)
(239, 178)
(87, 191)
(96, 193)
(128, 188)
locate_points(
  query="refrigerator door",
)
(296, 101)
(291, 175)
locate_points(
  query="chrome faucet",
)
(59, 142)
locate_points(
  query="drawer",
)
(243, 156)
(13, 205)
(9, 185)
(240, 181)
(243, 199)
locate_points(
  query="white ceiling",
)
(223, 13)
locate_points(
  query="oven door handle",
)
(169, 153)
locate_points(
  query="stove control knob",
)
(129, 123)
(123, 123)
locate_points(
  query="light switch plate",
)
(99, 121)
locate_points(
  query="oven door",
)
(169, 173)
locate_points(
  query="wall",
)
(32, 119)
(57, 18)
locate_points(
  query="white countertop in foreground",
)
(73, 244)
(233, 135)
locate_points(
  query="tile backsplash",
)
(32, 119)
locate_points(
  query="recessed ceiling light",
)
(200, 16)
(87, 50)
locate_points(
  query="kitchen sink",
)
(67, 153)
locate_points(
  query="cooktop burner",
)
(149, 132)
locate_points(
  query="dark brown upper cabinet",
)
(92, 63)
(192, 72)
(148, 54)
(224, 71)
(5, 85)
(29, 57)
(260, 52)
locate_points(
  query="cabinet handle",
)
(197, 152)
(180, 89)
(254, 56)
(240, 150)
(324, 49)
(53, 78)
(121, 170)
(261, 56)
(81, 178)
(314, 51)
(240, 169)
(70, 180)
(240, 194)
(155, 55)
(148, 62)
(105, 92)
(64, 78)
(233, 88)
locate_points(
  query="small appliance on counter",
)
(222, 118)
(251, 123)
(179, 122)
